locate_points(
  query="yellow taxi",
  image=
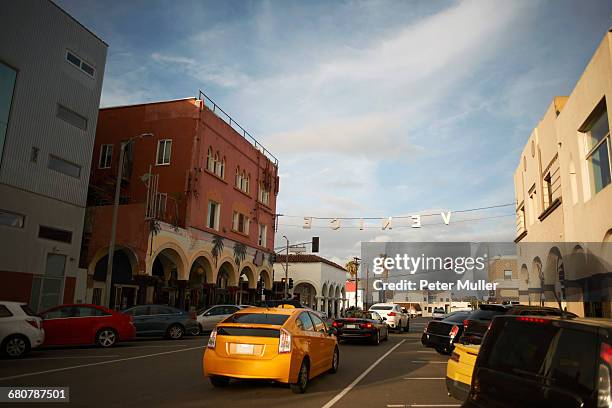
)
(459, 370)
(284, 344)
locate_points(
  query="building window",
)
(531, 211)
(106, 156)
(598, 148)
(63, 166)
(508, 275)
(240, 223)
(213, 215)
(548, 190)
(220, 170)
(7, 84)
(242, 180)
(161, 202)
(78, 62)
(71, 117)
(263, 232)
(164, 150)
(238, 177)
(55, 234)
(11, 219)
(210, 162)
(264, 194)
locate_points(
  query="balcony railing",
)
(210, 104)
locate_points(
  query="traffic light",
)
(290, 283)
(315, 244)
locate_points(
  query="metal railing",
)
(216, 109)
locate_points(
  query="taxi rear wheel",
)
(302, 382)
(219, 381)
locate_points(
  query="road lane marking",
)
(424, 378)
(55, 370)
(356, 380)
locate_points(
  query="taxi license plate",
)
(351, 326)
(245, 349)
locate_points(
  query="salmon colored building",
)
(197, 207)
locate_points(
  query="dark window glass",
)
(11, 219)
(85, 311)
(142, 311)
(381, 308)
(73, 59)
(258, 318)
(87, 68)
(63, 166)
(574, 361)
(457, 318)
(55, 234)
(4, 312)
(304, 322)
(70, 116)
(26, 309)
(156, 310)
(60, 312)
(318, 323)
(521, 347)
(247, 331)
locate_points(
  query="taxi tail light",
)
(212, 340)
(392, 314)
(606, 353)
(366, 325)
(284, 342)
(453, 332)
(34, 323)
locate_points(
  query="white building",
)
(317, 282)
(51, 70)
(350, 294)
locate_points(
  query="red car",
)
(86, 324)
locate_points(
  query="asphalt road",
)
(151, 373)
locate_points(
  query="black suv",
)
(543, 361)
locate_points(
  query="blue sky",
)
(374, 108)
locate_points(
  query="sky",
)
(373, 108)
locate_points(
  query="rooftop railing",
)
(210, 104)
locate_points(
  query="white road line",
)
(356, 380)
(424, 378)
(429, 361)
(61, 358)
(55, 370)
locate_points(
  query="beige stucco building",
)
(564, 197)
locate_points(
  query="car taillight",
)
(606, 353)
(455, 356)
(466, 322)
(337, 324)
(366, 325)
(212, 340)
(453, 332)
(284, 342)
(392, 314)
(33, 323)
(532, 319)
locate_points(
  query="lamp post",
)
(111, 245)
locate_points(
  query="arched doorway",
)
(226, 285)
(124, 291)
(306, 294)
(199, 293)
(246, 286)
(537, 279)
(167, 268)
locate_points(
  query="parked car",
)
(20, 329)
(287, 345)
(162, 320)
(442, 334)
(438, 313)
(475, 326)
(392, 314)
(208, 318)
(73, 324)
(415, 313)
(543, 361)
(459, 370)
(362, 325)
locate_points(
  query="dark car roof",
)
(491, 306)
(571, 321)
(521, 308)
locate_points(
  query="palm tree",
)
(239, 253)
(352, 267)
(217, 248)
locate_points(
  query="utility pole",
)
(286, 268)
(111, 245)
(356, 260)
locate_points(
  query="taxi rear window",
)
(258, 318)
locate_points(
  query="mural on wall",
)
(239, 253)
(217, 248)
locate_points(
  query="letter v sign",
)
(446, 217)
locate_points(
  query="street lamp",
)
(111, 245)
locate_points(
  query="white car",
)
(438, 313)
(393, 315)
(20, 329)
(209, 318)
